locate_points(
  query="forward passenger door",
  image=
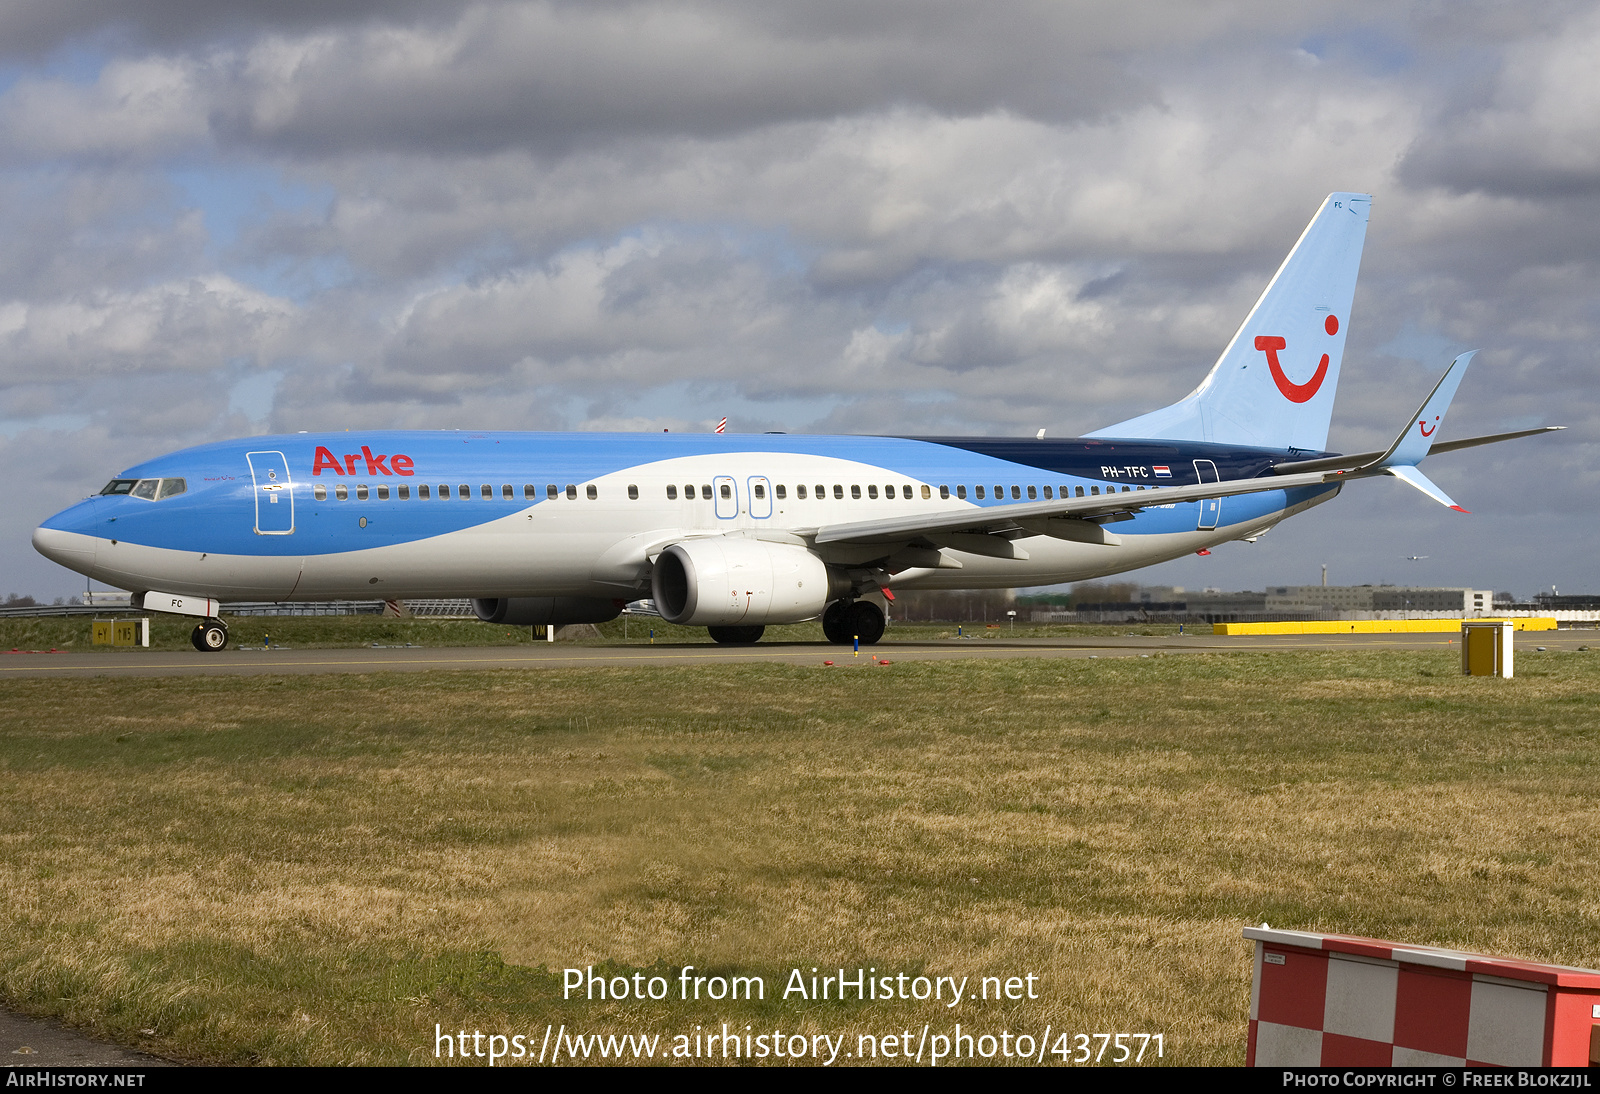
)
(274, 497)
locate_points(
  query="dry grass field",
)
(320, 869)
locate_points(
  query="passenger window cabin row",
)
(821, 491)
(148, 488)
(445, 490)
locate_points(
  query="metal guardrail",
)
(26, 610)
(307, 607)
(441, 609)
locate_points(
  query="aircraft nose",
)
(65, 538)
(74, 550)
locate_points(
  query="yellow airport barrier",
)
(1378, 626)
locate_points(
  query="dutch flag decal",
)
(1163, 471)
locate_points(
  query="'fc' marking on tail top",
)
(1295, 393)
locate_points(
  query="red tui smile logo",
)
(1427, 430)
(1295, 393)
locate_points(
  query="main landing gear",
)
(210, 635)
(736, 636)
(846, 620)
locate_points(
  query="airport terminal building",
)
(1318, 602)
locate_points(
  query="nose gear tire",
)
(210, 636)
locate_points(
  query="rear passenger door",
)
(760, 496)
(1210, 508)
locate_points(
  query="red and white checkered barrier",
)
(1338, 1000)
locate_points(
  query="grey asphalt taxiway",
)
(41, 1043)
(561, 655)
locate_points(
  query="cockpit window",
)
(148, 489)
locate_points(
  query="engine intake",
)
(721, 581)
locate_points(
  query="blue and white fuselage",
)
(492, 515)
(734, 532)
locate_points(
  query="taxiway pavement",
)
(560, 655)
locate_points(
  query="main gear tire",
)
(836, 623)
(210, 636)
(866, 622)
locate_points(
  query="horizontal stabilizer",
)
(1407, 473)
(1492, 438)
(1369, 459)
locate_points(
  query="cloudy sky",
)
(819, 216)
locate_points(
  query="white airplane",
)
(733, 532)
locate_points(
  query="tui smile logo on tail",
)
(1295, 393)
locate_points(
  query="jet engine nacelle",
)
(538, 611)
(721, 581)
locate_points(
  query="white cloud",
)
(194, 325)
(142, 108)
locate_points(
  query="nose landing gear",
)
(210, 635)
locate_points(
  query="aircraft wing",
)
(1048, 517)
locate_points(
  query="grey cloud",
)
(69, 232)
(1538, 135)
(549, 76)
(865, 201)
(642, 312)
(34, 28)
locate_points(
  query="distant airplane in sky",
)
(734, 531)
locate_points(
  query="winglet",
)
(1416, 439)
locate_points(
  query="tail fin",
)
(1273, 387)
